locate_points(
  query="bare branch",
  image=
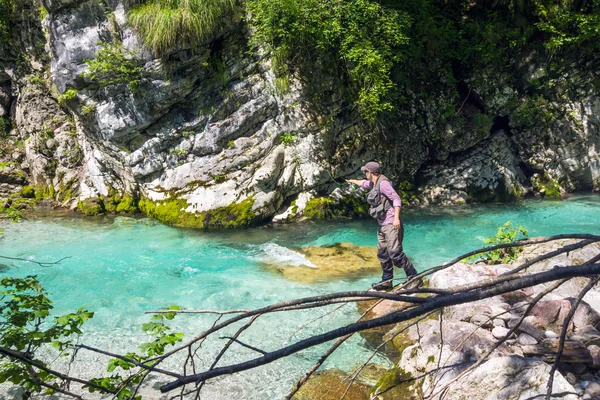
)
(40, 263)
(243, 344)
(432, 304)
(563, 333)
(34, 363)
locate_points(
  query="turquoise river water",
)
(120, 267)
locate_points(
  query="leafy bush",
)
(287, 138)
(67, 96)
(166, 25)
(363, 37)
(505, 234)
(26, 327)
(113, 65)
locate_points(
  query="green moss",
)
(44, 192)
(127, 205)
(91, 206)
(327, 208)
(395, 384)
(172, 211)
(28, 192)
(546, 185)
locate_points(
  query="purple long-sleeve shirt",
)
(385, 188)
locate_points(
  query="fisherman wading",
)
(386, 209)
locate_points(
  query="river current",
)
(120, 267)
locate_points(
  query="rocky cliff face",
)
(211, 137)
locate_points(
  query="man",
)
(385, 207)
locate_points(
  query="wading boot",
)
(383, 285)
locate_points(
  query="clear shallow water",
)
(121, 267)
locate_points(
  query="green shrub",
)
(28, 192)
(113, 65)
(287, 138)
(166, 25)
(506, 234)
(67, 96)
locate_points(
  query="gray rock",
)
(593, 389)
(525, 339)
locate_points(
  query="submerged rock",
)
(332, 383)
(332, 262)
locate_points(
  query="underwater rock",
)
(332, 383)
(332, 262)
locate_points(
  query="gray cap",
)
(372, 167)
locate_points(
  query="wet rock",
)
(332, 383)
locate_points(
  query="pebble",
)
(593, 389)
(571, 378)
(499, 322)
(551, 335)
(586, 396)
(525, 339)
(499, 332)
(584, 384)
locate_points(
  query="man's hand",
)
(396, 223)
(354, 182)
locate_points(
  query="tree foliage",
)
(363, 37)
(114, 64)
(26, 327)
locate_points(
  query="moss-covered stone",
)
(173, 212)
(547, 186)
(328, 208)
(331, 385)
(396, 384)
(120, 204)
(28, 192)
(43, 192)
(91, 206)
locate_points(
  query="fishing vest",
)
(379, 204)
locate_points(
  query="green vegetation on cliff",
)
(166, 25)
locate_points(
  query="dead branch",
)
(563, 333)
(431, 305)
(40, 263)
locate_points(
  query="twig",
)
(196, 312)
(243, 344)
(34, 363)
(129, 360)
(40, 263)
(563, 333)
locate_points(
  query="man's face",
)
(368, 174)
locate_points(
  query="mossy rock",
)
(332, 383)
(348, 206)
(173, 212)
(396, 384)
(28, 192)
(547, 186)
(91, 206)
(44, 192)
(120, 204)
